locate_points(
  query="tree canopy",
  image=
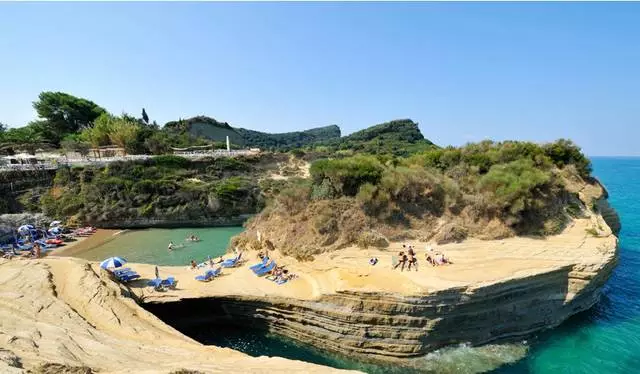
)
(62, 114)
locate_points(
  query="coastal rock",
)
(60, 315)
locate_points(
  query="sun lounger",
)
(209, 275)
(231, 262)
(264, 262)
(155, 283)
(264, 270)
(128, 277)
(169, 282)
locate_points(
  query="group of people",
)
(280, 274)
(409, 259)
(189, 238)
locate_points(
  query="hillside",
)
(398, 137)
(206, 127)
(288, 140)
(211, 129)
(486, 190)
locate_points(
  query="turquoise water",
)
(150, 246)
(605, 339)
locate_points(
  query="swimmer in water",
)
(170, 246)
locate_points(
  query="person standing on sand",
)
(401, 261)
(193, 265)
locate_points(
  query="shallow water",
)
(605, 339)
(150, 246)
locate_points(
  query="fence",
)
(62, 161)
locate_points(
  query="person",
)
(411, 252)
(373, 261)
(412, 260)
(401, 261)
(37, 249)
(430, 259)
(170, 246)
(210, 262)
(157, 273)
(193, 265)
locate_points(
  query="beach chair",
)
(232, 262)
(266, 269)
(155, 283)
(127, 277)
(170, 282)
(208, 275)
(264, 262)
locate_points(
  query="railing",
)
(62, 161)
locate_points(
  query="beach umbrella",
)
(55, 230)
(113, 262)
(157, 273)
(26, 228)
(55, 223)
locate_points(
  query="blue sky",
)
(463, 71)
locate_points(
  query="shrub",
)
(348, 174)
(171, 161)
(513, 184)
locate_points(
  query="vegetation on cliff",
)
(396, 138)
(487, 190)
(168, 188)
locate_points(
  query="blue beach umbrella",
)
(113, 262)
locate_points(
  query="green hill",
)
(206, 127)
(211, 129)
(288, 140)
(398, 137)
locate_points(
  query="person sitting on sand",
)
(193, 265)
(430, 259)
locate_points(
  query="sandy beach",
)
(81, 244)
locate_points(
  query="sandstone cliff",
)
(62, 314)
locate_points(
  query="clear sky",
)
(463, 71)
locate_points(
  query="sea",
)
(604, 339)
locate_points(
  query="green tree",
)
(145, 117)
(98, 135)
(124, 133)
(62, 114)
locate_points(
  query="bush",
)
(171, 161)
(513, 185)
(348, 174)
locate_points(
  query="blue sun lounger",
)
(209, 275)
(264, 262)
(265, 269)
(127, 277)
(169, 282)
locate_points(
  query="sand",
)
(476, 263)
(81, 244)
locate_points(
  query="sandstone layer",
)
(493, 291)
(61, 313)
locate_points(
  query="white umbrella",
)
(55, 223)
(25, 228)
(113, 262)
